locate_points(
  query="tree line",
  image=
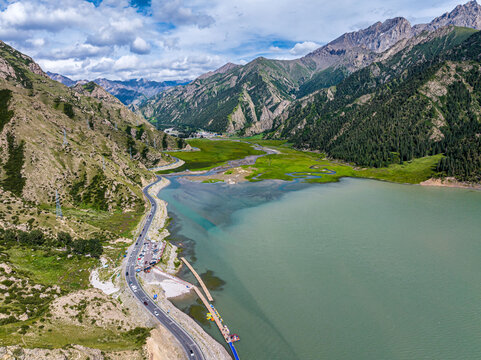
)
(37, 238)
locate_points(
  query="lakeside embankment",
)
(451, 182)
(163, 282)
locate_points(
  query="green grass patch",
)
(257, 139)
(291, 161)
(253, 137)
(212, 153)
(411, 172)
(119, 223)
(60, 335)
(53, 268)
(271, 143)
(278, 166)
(212, 181)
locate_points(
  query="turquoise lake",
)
(358, 269)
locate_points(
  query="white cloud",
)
(140, 46)
(77, 51)
(301, 49)
(38, 42)
(103, 65)
(67, 67)
(176, 12)
(126, 62)
(118, 32)
(31, 15)
(275, 49)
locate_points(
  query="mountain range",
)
(247, 99)
(129, 92)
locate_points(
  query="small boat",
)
(234, 337)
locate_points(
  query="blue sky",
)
(181, 39)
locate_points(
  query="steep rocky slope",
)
(86, 145)
(467, 15)
(80, 141)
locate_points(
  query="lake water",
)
(358, 269)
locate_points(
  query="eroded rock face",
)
(467, 15)
(6, 71)
(377, 37)
(36, 69)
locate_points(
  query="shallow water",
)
(353, 270)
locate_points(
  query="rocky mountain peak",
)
(467, 15)
(223, 69)
(356, 49)
(13, 63)
(61, 79)
(96, 91)
(377, 37)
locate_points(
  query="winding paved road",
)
(191, 349)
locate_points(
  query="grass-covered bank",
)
(289, 161)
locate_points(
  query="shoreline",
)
(450, 182)
(171, 286)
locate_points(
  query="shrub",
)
(64, 238)
(139, 335)
(68, 110)
(5, 114)
(93, 247)
(7, 282)
(14, 181)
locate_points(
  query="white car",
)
(156, 313)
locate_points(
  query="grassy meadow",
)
(277, 166)
(212, 153)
